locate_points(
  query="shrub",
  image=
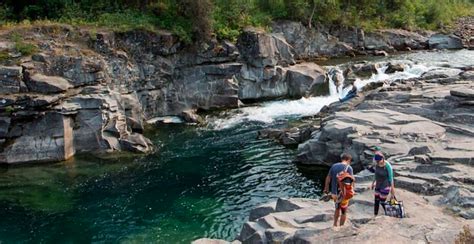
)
(22, 47)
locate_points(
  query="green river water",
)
(201, 183)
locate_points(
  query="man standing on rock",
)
(332, 180)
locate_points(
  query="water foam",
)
(269, 112)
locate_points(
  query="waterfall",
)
(269, 112)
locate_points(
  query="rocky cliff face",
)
(85, 92)
(93, 93)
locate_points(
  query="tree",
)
(199, 11)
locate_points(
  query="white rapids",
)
(269, 112)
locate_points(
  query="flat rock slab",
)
(47, 84)
(466, 93)
(313, 223)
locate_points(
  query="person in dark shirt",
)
(331, 185)
(351, 94)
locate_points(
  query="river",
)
(202, 182)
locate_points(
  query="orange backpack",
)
(347, 191)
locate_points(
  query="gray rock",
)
(4, 126)
(422, 159)
(364, 176)
(286, 205)
(403, 40)
(49, 138)
(441, 73)
(419, 150)
(261, 211)
(270, 134)
(395, 67)
(191, 116)
(252, 233)
(306, 80)
(260, 84)
(309, 44)
(47, 84)
(416, 185)
(260, 49)
(464, 93)
(380, 53)
(442, 41)
(10, 78)
(136, 143)
(276, 236)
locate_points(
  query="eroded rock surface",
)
(310, 221)
(109, 84)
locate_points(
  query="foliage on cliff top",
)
(198, 19)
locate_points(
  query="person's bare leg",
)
(343, 218)
(336, 216)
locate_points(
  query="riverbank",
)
(99, 89)
(424, 127)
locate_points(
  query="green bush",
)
(192, 20)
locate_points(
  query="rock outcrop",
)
(424, 128)
(270, 72)
(335, 41)
(98, 96)
(441, 41)
(109, 84)
(297, 220)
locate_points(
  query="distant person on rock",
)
(383, 183)
(351, 94)
(341, 181)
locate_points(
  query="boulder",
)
(308, 43)
(260, 49)
(261, 84)
(464, 93)
(4, 126)
(49, 138)
(442, 41)
(136, 142)
(376, 41)
(261, 211)
(380, 53)
(403, 40)
(191, 116)
(10, 78)
(306, 80)
(252, 233)
(287, 205)
(78, 70)
(395, 67)
(47, 84)
(419, 150)
(363, 69)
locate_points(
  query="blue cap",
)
(378, 157)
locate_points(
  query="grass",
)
(133, 20)
(26, 49)
(4, 56)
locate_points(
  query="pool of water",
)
(201, 183)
